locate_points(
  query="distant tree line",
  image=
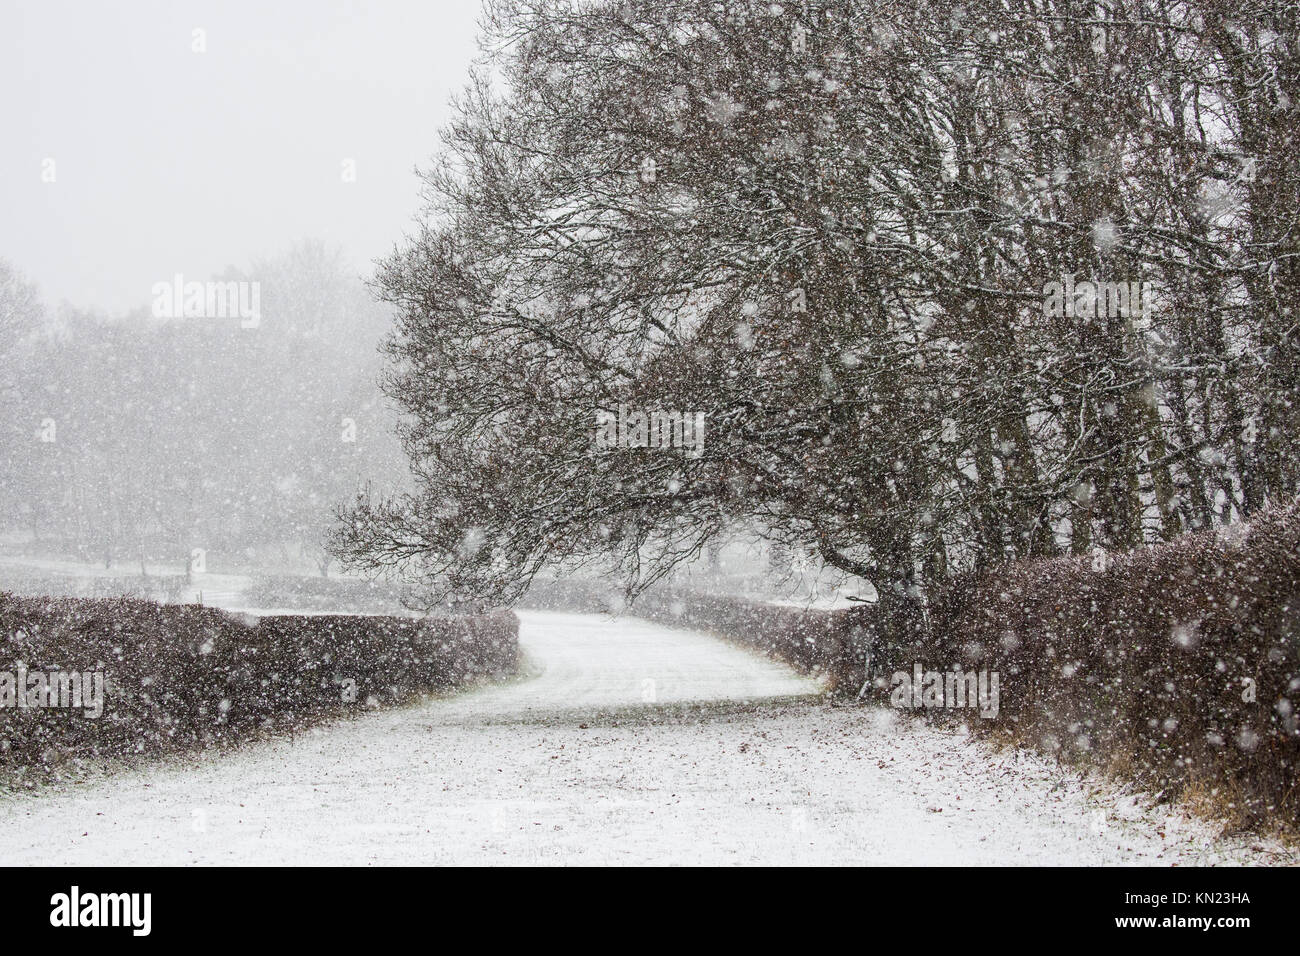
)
(141, 438)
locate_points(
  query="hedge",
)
(186, 677)
(1176, 665)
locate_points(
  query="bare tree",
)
(830, 227)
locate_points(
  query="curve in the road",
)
(623, 742)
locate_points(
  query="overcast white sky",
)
(168, 160)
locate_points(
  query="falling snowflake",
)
(722, 109)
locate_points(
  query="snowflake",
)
(722, 109)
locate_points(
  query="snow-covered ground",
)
(623, 742)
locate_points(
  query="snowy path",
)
(625, 742)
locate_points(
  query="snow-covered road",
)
(623, 742)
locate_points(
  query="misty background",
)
(272, 145)
(170, 160)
